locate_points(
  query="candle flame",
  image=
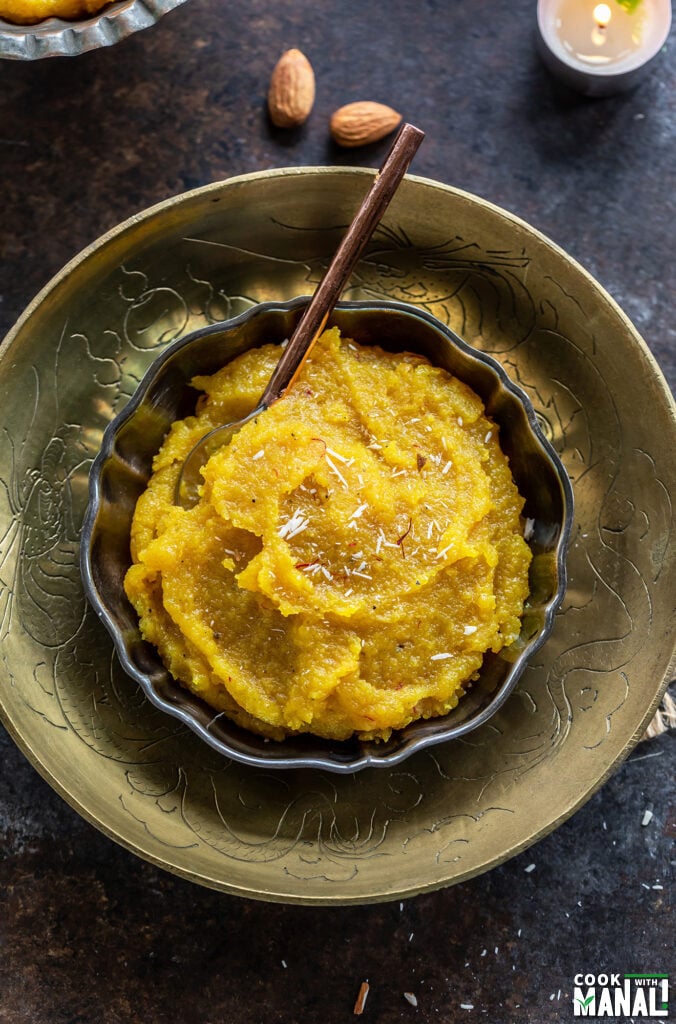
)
(602, 15)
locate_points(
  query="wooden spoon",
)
(317, 311)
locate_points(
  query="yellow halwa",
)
(356, 549)
(29, 12)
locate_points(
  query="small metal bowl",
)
(55, 37)
(122, 468)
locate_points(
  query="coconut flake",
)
(258, 455)
(440, 657)
(468, 630)
(359, 511)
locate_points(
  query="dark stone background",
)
(88, 933)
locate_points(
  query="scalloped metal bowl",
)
(55, 37)
(123, 466)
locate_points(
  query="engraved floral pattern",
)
(305, 829)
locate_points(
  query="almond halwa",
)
(356, 550)
(29, 12)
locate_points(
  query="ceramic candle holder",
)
(601, 49)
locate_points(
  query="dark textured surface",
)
(91, 934)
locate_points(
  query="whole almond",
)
(360, 123)
(292, 90)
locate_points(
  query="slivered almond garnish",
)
(337, 455)
(468, 630)
(440, 657)
(361, 999)
(293, 526)
(299, 529)
(332, 466)
(258, 455)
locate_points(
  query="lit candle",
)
(601, 48)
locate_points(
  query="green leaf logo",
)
(585, 1002)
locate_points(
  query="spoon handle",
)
(341, 266)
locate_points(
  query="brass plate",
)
(305, 836)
